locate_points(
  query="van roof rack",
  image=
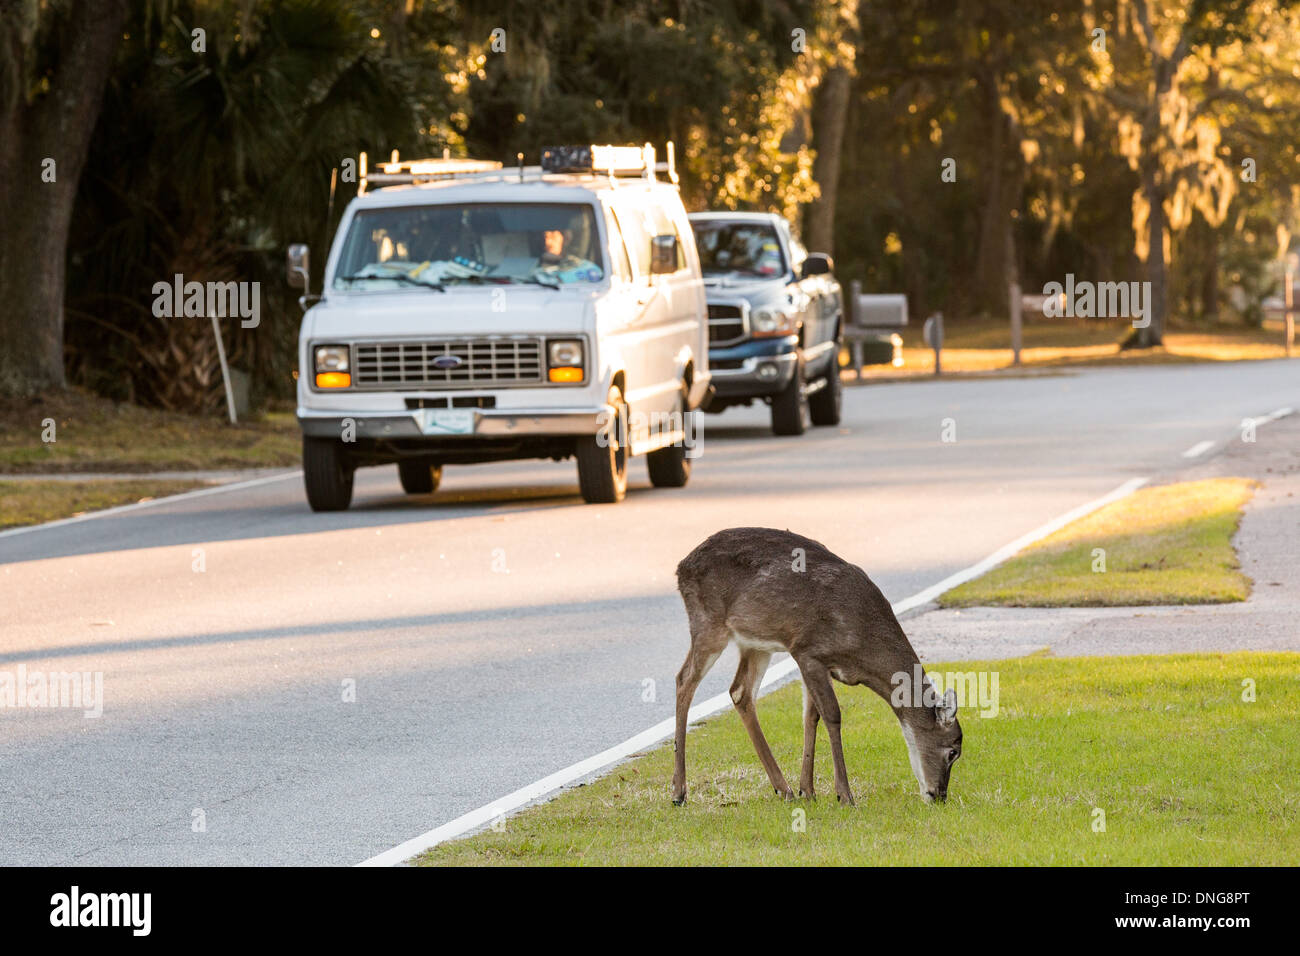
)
(404, 172)
(614, 161)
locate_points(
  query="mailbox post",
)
(932, 332)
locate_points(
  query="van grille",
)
(726, 324)
(482, 362)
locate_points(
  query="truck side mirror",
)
(663, 255)
(817, 264)
(298, 263)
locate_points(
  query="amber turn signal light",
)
(566, 373)
(333, 379)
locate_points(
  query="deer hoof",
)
(807, 794)
(679, 801)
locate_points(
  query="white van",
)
(471, 313)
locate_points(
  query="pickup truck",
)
(775, 320)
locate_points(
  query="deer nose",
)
(936, 796)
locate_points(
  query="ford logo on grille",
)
(447, 362)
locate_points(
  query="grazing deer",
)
(766, 591)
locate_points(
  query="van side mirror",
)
(817, 264)
(298, 262)
(663, 255)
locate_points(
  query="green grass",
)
(1186, 772)
(34, 502)
(93, 434)
(1171, 544)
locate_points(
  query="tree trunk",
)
(830, 114)
(55, 124)
(990, 256)
(1157, 271)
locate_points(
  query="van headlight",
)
(772, 322)
(332, 366)
(565, 361)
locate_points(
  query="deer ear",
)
(946, 712)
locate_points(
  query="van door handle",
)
(645, 295)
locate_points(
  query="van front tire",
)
(327, 474)
(669, 467)
(419, 476)
(602, 460)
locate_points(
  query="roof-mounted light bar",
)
(611, 160)
(399, 172)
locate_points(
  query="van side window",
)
(617, 247)
(637, 239)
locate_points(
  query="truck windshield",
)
(751, 248)
(548, 244)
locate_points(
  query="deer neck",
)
(904, 685)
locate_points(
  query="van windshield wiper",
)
(398, 276)
(550, 282)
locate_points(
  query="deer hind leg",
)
(818, 682)
(810, 718)
(707, 645)
(744, 690)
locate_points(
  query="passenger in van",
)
(558, 260)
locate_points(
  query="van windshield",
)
(751, 248)
(548, 244)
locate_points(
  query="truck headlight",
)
(771, 322)
(332, 368)
(564, 360)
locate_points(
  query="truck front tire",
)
(826, 405)
(327, 474)
(790, 405)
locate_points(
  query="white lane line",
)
(1199, 449)
(665, 728)
(152, 502)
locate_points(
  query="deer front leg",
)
(688, 679)
(818, 682)
(753, 664)
(810, 717)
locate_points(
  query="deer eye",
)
(953, 755)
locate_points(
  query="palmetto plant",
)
(215, 150)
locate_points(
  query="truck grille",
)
(726, 324)
(483, 362)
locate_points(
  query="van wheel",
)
(419, 476)
(602, 460)
(790, 405)
(327, 474)
(827, 404)
(669, 467)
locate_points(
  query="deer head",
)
(933, 738)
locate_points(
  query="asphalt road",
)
(501, 629)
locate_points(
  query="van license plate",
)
(449, 421)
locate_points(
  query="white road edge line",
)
(665, 728)
(1200, 448)
(1275, 415)
(152, 502)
